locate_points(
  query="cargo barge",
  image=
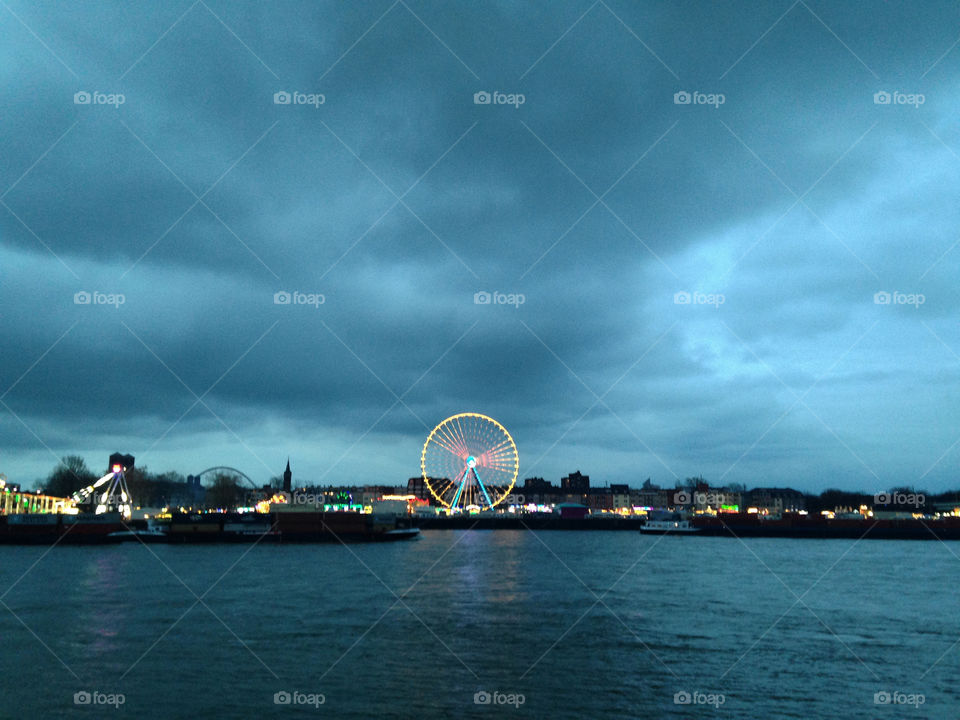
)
(49, 528)
(288, 526)
(295, 526)
(795, 525)
(743, 525)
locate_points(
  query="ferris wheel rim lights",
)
(485, 444)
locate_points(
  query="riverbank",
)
(732, 525)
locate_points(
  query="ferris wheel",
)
(469, 460)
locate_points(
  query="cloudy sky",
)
(688, 210)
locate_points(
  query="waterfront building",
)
(620, 496)
(575, 488)
(537, 485)
(712, 500)
(599, 499)
(651, 495)
(775, 501)
(538, 491)
(575, 483)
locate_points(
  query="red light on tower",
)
(120, 463)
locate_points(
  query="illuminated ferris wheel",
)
(469, 460)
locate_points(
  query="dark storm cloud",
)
(398, 198)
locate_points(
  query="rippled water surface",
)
(573, 624)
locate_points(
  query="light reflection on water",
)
(588, 624)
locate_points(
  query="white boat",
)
(151, 534)
(665, 527)
(406, 533)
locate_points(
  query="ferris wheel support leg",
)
(482, 487)
(461, 481)
(456, 498)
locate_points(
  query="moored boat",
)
(668, 527)
(49, 528)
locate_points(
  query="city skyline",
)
(649, 250)
(573, 482)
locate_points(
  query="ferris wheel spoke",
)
(508, 460)
(450, 432)
(447, 484)
(502, 444)
(457, 430)
(439, 483)
(506, 449)
(498, 458)
(451, 439)
(460, 448)
(497, 470)
(454, 440)
(472, 435)
(446, 445)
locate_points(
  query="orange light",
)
(117, 468)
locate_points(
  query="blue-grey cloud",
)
(779, 213)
